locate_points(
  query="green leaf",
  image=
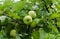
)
(1, 35)
(50, 36)
(14, 15)
(48, 2)
(17, 37)
(42, 33)
(58, 23)
(18, 6)
(36, 35)
(1, 6)
(58, 19)
(7, 3)
(55, 15)
(58, 36)
(53, 27)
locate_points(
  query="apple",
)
(35, 22)
(32, 14)
(27, 19)
(13, 33)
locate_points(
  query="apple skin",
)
(27, 19)
(32, 14)
(13, 33)
(35, 22)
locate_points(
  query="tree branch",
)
(13, 20)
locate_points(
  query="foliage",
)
(30, 19)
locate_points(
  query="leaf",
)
(36, 35)
(42, 33)
(22, 14)
(1, 6)
(50, 36)
(48, 2)
(5, 38)
(17, 37)
(53, 27)
(55, 15)
(7, 3)
(58, 23)
(1, 35)
(58, 19)
(39, 34)
(14, 15)
(58, 36)
(18, 6)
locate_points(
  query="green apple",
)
(13, 33)
(35, 22)
(32, 14)
(27, 19)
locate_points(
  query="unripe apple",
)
(35, 22)
(27, 19)
(13, 33)
(32, 14)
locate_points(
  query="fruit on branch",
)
(27, 19)
(32, 14)
(34, 22)
(13, 33)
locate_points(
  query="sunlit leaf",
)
(18, 6)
